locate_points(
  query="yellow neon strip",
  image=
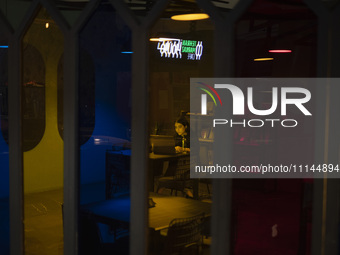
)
(263, 59)
(191, 16)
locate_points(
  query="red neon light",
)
(280, 51)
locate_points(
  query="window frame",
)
(221, 209)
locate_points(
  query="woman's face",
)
(180, 128)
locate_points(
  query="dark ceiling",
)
(273, 9)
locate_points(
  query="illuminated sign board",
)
(177, 48)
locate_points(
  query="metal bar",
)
(139, 156)
(140, 140)
(15, 149)
(321, 123)
(71, 146)
(333, 187)
(222, 211)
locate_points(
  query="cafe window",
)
(104, 132)
(42, 47)
(95, 78)
(180, 47)
(86, 98)
(274, 214)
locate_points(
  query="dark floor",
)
(266, 221)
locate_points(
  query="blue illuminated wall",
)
(4, 163)
(102, 38)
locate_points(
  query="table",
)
(117, 211)
(120, 160)
(169, 207)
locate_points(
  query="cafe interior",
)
(90, 93)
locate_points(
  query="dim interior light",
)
(263, 59)
(47, 25)
(190, 16)
(127, 52)
(280, 51)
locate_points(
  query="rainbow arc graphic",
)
(206, 89)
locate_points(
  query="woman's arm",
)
(181, 149)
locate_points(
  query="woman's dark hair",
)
(182, 120)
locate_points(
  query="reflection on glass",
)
(286, 41)
(179, 50)
(42, 145)
(104, 129)
(4, 163)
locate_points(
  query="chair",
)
(117, 180)
(207, 182)
(184, 236)
(179, 179)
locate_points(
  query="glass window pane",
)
(274, 215)
(179, 49)
(42, 144)
(4, 160)
(105, 132)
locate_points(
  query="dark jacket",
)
(189, 142)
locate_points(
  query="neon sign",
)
(176, 48)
